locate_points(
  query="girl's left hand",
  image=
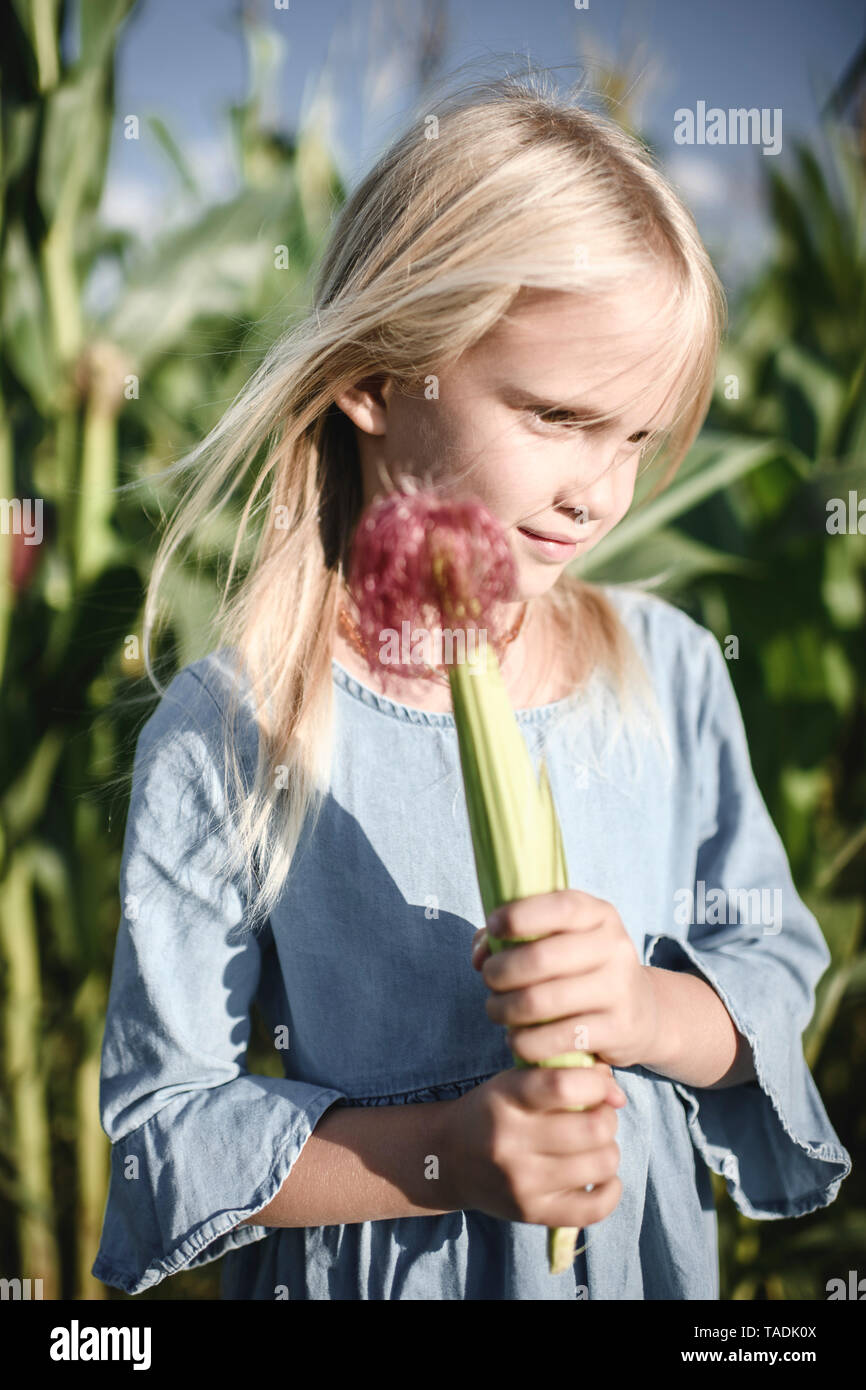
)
(580, 987)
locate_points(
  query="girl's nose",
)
(593, 499)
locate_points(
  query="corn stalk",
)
(25, 1077)
(77, 595)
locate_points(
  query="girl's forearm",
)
(375, 1163)
(368, 1163)
(697, 1042)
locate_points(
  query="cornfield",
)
(91, 402)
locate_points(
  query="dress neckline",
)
(443, 719)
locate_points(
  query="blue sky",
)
(187, 63)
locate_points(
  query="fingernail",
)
(494, 922)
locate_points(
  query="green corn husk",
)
(515, 832)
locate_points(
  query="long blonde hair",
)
(506, 186)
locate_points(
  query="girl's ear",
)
(366, 403)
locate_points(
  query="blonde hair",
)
(507, 187)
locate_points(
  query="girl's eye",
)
(555, 417)
(565, 418)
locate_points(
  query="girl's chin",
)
(540, 581)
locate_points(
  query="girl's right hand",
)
(517, 1152)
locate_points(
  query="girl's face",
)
(512, 422)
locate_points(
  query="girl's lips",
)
(550, 550)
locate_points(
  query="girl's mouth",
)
(549, 549)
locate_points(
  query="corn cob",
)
(415, 553)
(515, 833)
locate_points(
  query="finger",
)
(563, 953)
(581, 1132)
(560, 1088)
(480, 949)
(565, 909)
(548, 1002)
(564, 1172)
(577, 1033)
(580, 1208)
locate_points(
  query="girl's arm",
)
(197, 1141)
(751, 965)
(367, 1164)
(698, 1042)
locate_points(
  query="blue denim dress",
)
(364, 970)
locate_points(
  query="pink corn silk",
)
(431, 562)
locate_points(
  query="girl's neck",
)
(529, 667)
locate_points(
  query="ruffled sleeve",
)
(198, 1143)
(743, 927)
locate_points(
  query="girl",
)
(514, 305)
